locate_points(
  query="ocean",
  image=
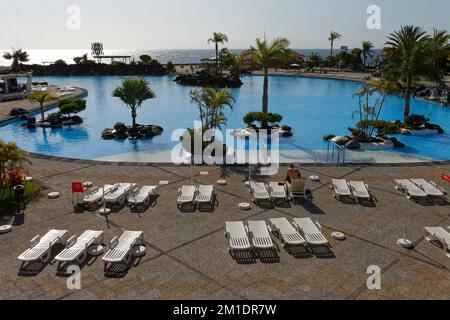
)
(194, 56)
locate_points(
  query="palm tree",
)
(41, 98)
(17, 57)
(411, 43)
(439, 46)
(216, 101)
(216, 39)
(333, 37)
(367, 47)
(133, 92)
(265, 55)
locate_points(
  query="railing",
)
(336, 153)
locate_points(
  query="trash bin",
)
(19, 192)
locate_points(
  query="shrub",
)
(71, 106)
(60, 62)
(261, 118)
(416, 121)
(54, 118)
(11, 159)
(381, 127)
(170, 67)
(145, 59)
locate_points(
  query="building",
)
(12, 89)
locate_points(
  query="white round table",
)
(338, 236)
(222, 183)
(53, 195)
(244, 206)
(5, 229)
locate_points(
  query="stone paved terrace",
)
(187, 256)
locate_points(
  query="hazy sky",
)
(187, 24)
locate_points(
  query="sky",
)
(187, 24)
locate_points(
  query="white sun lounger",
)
(95, 195)
(341, 188)
(278, 191)
(360, 189)
(259, 192)
(186, 194)
(40, 247)
(141, 195)
(118, 193)
(410, 189)
(259, 233)
(430, 188)
(205, 194)
(311, 231)
(77, 248)
(237, 235)
(121, 250)
(286, 232)
(297, 189)
(440, 234)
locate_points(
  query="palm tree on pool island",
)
(415, 61)
(216, 39)
(133, 92)
(41, 98)
(333, 37)
(266, 55)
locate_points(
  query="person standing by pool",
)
(292, 174)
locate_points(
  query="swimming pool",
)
(312, 107)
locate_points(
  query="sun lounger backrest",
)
(298, 185)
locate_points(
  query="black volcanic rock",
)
(122, 132)
(203, 79)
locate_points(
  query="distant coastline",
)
(179, 57)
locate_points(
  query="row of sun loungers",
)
(276, 192)
(195, 195)
(350, 189)
(77, 248)
(119, 194)
(419, 189)
(256, 235)
(413, 188)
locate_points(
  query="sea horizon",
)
(176, 56)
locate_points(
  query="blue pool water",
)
(312, 107)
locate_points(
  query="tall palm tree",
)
(265, 55)
(367, 48)
(41, 98)
(216, 39)
(439, 46)
(411, 43)
(17, 57)
(133, 92)
(333, 37)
